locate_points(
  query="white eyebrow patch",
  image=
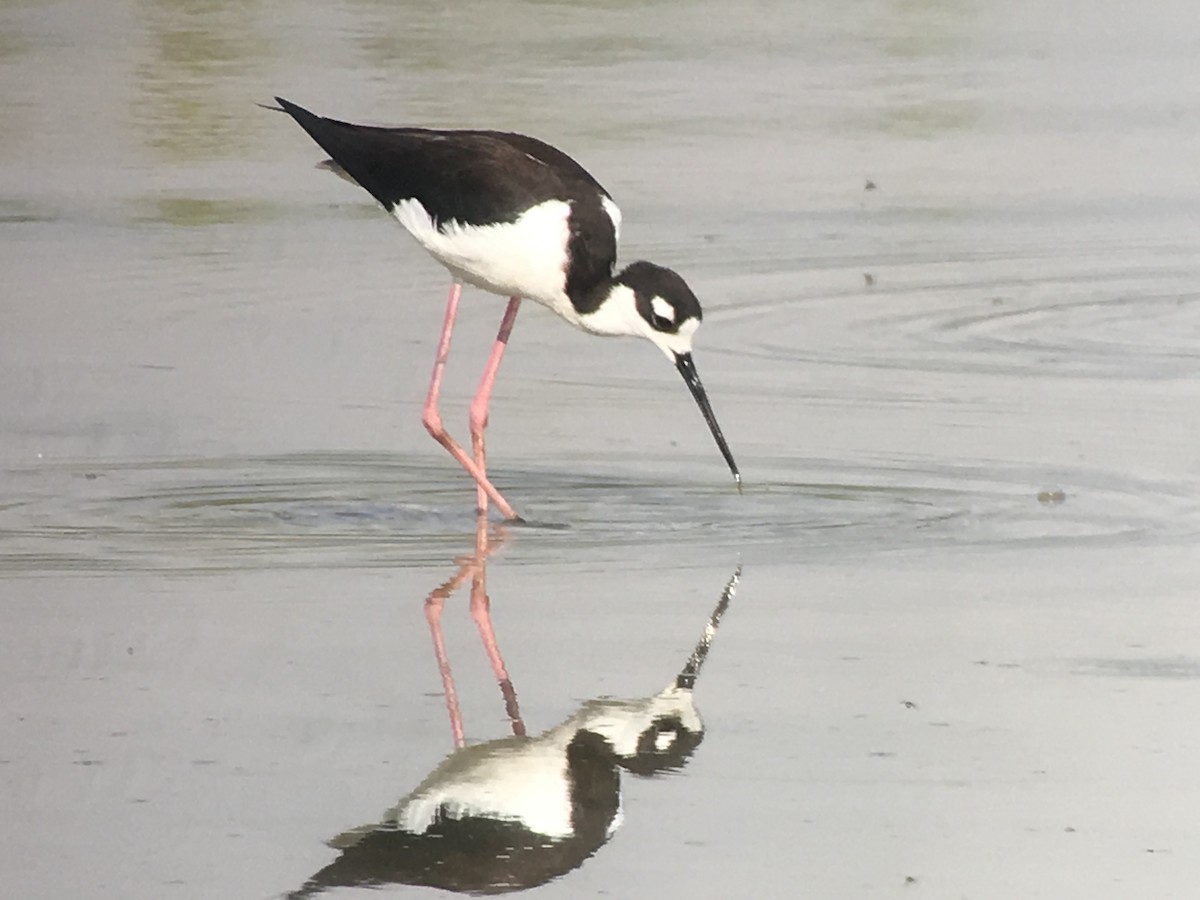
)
(662, 309)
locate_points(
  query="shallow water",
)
(949, 263)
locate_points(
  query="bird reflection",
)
(514, 813)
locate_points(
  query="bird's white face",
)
(678, 343)
(619, 314)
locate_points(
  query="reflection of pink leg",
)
(433, 615)
(481, 613)
(478, 416)
(476, 567)
(433, 420)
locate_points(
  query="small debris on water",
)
(1051, 497)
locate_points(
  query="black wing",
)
(473, 177)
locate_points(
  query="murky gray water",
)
(962, 661)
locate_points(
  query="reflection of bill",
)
(514, 813)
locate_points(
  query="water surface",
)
(949, 264)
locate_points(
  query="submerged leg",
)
(478, 417)
(432, 420)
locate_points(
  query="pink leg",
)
(433, 420)
(479, 404)
(481, 613)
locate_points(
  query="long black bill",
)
(687, 368)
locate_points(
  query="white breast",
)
(525, 258)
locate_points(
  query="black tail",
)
(366, 154)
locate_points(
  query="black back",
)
(474, 178)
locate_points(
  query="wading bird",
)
(514, 216)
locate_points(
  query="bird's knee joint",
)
(477, 419)
(432, 422)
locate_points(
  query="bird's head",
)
(650, 301)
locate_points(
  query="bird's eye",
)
(661, 315)
(660, 323)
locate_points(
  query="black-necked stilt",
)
(517, 217)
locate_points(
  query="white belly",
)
(525, 258)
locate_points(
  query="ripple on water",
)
(1095, 317)
(357, 510)
(230, 513)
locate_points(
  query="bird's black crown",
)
(648, 282)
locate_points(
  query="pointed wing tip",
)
(286, 106)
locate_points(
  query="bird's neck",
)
(609, 307)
